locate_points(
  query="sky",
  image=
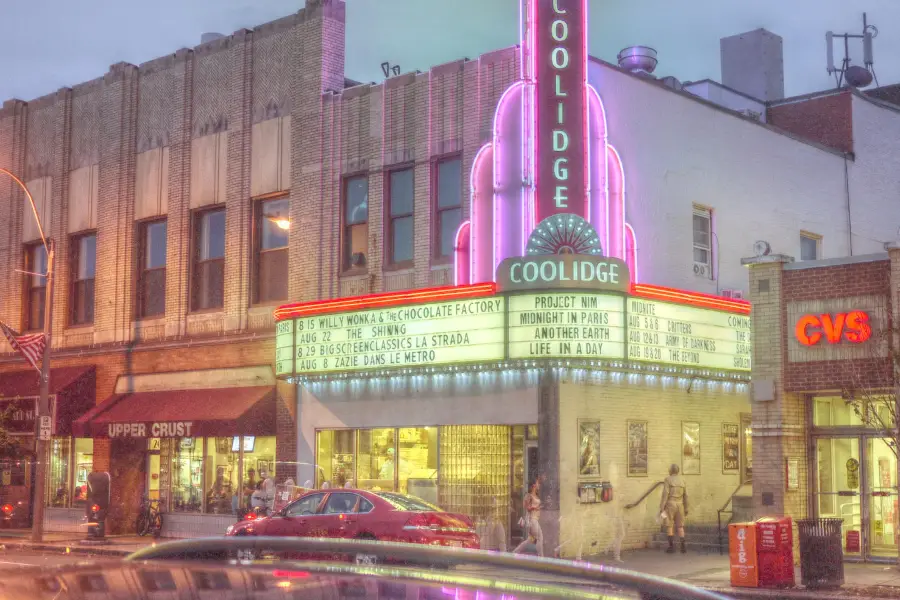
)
(49, 44)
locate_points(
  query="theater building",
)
(824, 394)
(329, 189)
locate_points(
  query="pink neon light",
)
(461, 255)
(601, 166)
(499, 232)
(631, 253)
(475, 208)
(617, 204)
(584, 116)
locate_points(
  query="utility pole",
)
(43, 416)
(41, 436)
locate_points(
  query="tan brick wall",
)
(664, 402)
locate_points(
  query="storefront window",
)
(84, 464)
(417, 467)
(335, 457)
(376, 468)
(187, 475)
(58, 491)
(221, 475)
(863, 411)
(475, 467)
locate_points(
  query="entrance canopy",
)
(72, 394)
(206, 412)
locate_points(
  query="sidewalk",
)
(70, 543)
(712, 572)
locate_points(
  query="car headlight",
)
(229, 530)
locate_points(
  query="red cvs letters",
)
(850, 327)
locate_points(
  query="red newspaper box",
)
(742, 555)
(775, 552)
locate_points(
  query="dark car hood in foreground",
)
(260, 581)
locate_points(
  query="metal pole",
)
(37, 525)
(40, 446)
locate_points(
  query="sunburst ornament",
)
(563, 234)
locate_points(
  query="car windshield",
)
(401, 502)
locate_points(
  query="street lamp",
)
(40, 444)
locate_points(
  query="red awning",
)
(72, 392)
(183, 413)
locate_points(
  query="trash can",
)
(821, 556)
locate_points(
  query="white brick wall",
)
(761, 184)
(613, 399)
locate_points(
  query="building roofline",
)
(724, 87)
(834, 262)
(728, 111)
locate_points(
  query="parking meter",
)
(97, 505)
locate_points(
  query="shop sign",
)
(180, 429)
(675, 334)
(853, 327)
(468, 330)
(557, 325)
(560, 54)
(563, 271)
(22, 414)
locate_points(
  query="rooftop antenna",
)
(854, 75)
(389, 69)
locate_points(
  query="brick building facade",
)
(824, 377)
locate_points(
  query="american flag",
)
(30, 346)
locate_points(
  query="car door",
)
(296, 518)
(338, 516)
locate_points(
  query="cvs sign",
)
(850, 327)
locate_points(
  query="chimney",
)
(208, 37)
(753, 63)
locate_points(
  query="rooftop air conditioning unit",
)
(702, 270)
(733, 294)
(752, 114)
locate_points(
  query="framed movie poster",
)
(588, 448)
(637, 448)
(690, 448)
(731, 444)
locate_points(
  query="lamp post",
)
(43, 409)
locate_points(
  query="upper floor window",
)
(356, 222)
(809, 246)
(152, 271)
(702, 225)
(400, 217)
(208, 270)
(35, 286)
(448, 206)
(83, 268)
(273, 224)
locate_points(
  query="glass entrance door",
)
(839, 487)
(857, 482)
(881, 497)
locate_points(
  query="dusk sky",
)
(55, 43)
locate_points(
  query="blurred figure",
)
(674, 507)
(533, 533)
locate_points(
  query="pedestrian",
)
(533, 533)
(674, 507)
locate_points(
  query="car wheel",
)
(248, 555)
(366, 559)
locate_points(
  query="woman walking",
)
(533, 533)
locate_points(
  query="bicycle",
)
(149, 520)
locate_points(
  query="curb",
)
(75, 548)
(801, 593)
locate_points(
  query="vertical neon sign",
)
(561, 145)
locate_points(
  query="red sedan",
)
(360, 514)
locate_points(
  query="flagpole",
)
(43, 409)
